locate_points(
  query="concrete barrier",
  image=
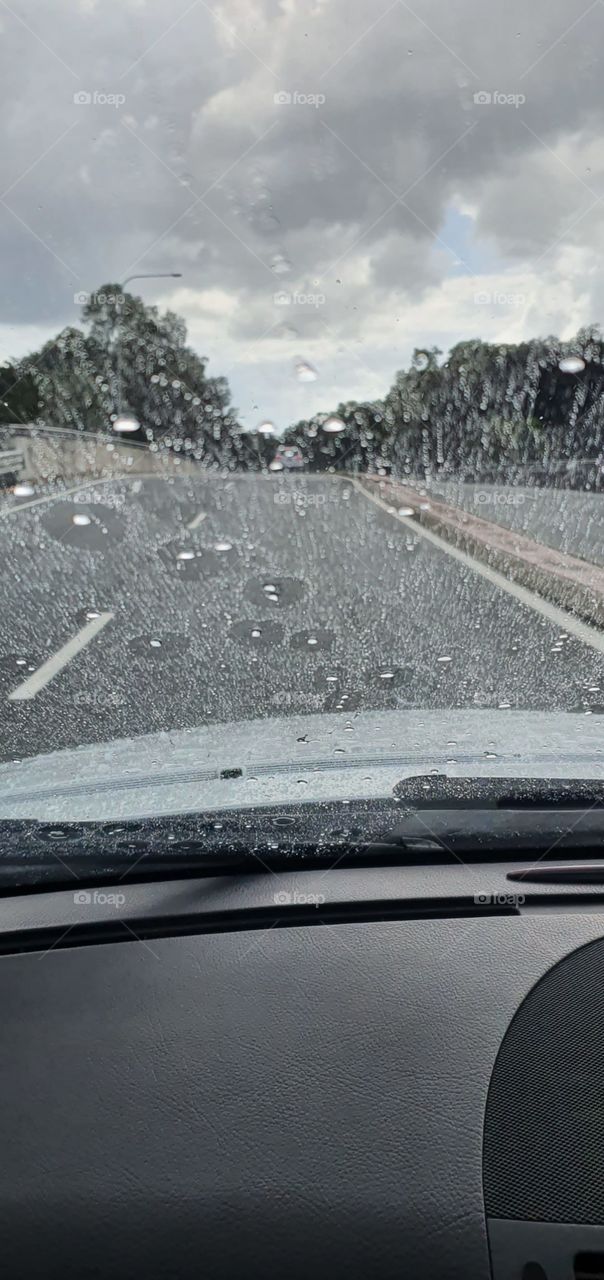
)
(53, 456)
(565, 580)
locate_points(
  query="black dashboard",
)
(229, 1077)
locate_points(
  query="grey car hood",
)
(297, 759)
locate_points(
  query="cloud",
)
(318, 148)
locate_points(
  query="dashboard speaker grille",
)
(544, 1125)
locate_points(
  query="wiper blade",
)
(439, 791)
(429, 820)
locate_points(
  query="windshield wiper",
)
(429, 820)
(439, 791)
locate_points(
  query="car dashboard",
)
(324, 1074)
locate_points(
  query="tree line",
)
(481, 409)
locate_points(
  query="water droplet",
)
(333, 425)
(280, 264)
(266, 428)
(312, 640)
(81, 519)
(406, 511)
(446, 658)
(23, 489)
(276, 465)
(256, 632)
(126, 422)
(223, 545)
(571, 364)
(155, 644)
(386, 675)
(186, 555)
(305, 372)
(92, 613)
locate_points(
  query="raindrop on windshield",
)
(223, 546)
(571, 364)
(305, 372)
(80, 519)
(23, 490)
(126, 422)
(333, 425)
(280, 264)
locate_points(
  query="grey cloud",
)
(290, 182)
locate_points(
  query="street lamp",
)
(153, 275)
(125, 422)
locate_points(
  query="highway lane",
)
(134, 606)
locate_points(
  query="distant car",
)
(289, 457)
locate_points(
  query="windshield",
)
(301, 400)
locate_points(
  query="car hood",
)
(299, 759)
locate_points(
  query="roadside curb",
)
(567, 581)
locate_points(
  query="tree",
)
(130, 359)
(18, 395)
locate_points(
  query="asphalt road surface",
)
(134, 606)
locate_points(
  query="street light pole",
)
(146, 275)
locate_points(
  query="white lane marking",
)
(565, 621)
(49, 669)
(201, 515)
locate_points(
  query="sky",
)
(337, 181)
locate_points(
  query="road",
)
(565, 519)
(171, 603)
